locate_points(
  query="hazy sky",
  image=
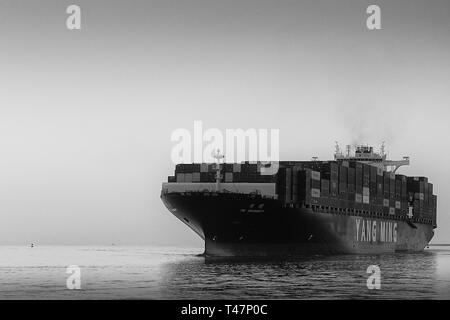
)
(86, 116)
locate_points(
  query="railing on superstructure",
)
(365, 153)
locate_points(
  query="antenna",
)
(338, 150)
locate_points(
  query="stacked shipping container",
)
(346, 185)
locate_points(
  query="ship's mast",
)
(337, 149)
(218, 156)
(382, 149)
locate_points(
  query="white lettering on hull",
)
(366, 231)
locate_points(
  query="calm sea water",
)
(180, 273)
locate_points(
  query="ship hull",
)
(237, 225)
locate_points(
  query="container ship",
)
(354, 204)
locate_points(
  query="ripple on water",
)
(179, 273)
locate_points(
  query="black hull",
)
(238, 225)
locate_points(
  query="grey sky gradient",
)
(86, 116)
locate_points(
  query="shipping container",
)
(414, 185)
(309, 186)
(329, 171)
(380, 188)
(244, 176)
(334, 188)
(423, 179)
(180, 177)
(358, 184)
(343, 180)
(229, 176)
(237, 177)
(264, 178)
(434, 207)
(326, 166)
(325, 188)
(207, 176)
(179, 168)
(188, 167)
(358, 201)
(430, 190)
(430, 198)
(358, 166)
(283, 186)
(401, 190)
(196, 177)
(416, 209)
(392, 185)
(351, 200)
(249, 167)
(425, 192)
(392, 211)
(352, 185)
(188, 177)
(386, 205)
(351, 180)
(204, 167)
(343, 186)
(386, 185)
(398, 187)
(366, 175)
(295, 183)
(227, 167)
(373, 187)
